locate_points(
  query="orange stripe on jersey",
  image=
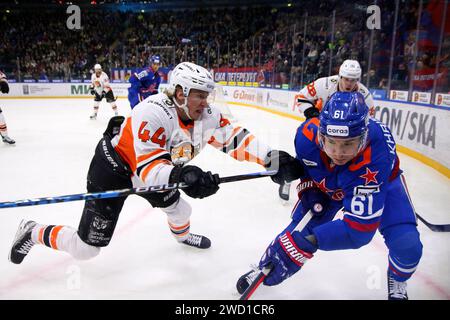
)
(125, 147)
(186, 127)
(308, 130)
(216, 144)
(149, 155)
(151, 165)
(242, 154)
(367, 155)
(54, 235)
(41, 235)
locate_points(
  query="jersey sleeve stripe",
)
(150, 154)
(242, 154)
(144, 173)
(235, 141)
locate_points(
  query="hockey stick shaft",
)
(434, 227)
(123, 192)
(266, 270)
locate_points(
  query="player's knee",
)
(83, 251)
(407, 247)
(404, 242)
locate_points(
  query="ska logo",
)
(100, 224)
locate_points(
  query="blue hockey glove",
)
(312, 198)
(286, 255)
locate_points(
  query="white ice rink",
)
(55, 141)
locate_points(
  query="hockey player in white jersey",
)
(316, 94)
(151, 147)
(100, 88)
(4, 88)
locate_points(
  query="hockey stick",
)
(306, 101)
(434, 227)
(124, 192)
(266, 270)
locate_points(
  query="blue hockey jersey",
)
(143, 85)
(360, 186)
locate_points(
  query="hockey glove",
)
(4, 86)
(312, 198)
(286, 255)
(311, 112)
(289, 168)
(92, 90)
(201, 184)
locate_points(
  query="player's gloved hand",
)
(201, 184)
(311, 112)
(286, 255)
(4, 86)
(289, 168)
(92, 91)
(312, 198)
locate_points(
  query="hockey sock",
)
(3, 129)
(180, 232)
(46, 235)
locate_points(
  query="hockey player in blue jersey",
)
(144, 83)
(350, 163)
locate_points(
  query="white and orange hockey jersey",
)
(320, 91)
(100, 83)
(153, 139)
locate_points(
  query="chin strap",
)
(183, 107)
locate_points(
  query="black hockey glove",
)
(289, 168)
(4, 87)
(201, 184)
(92, 91)
(311, 112)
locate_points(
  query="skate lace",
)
(194, 239)
(26, 247)
(397, 289)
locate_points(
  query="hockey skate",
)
(396, 289)
(195, 240)
(283, 192)
(93, 116)
(22, 243)
(7, 139)
(246, 280)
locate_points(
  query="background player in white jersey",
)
(100, 88)
(164, 132)
(4, 88)
(316, 94)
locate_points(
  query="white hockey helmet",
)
(350, 69)
(97, 67)
(189, 76)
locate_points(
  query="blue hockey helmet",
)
(345, 115)
(155, 59)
